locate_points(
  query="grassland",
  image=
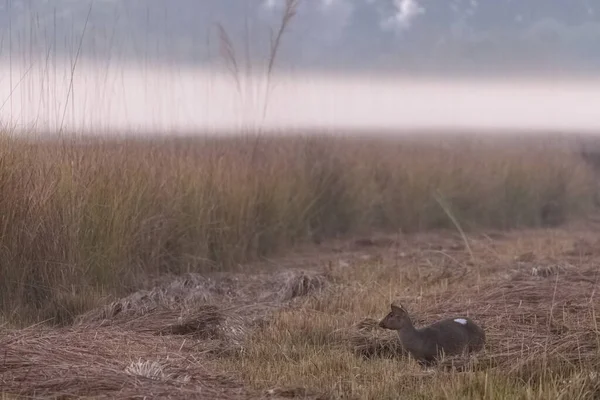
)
(540, 316)
(490, 227)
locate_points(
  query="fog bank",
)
(150, 99)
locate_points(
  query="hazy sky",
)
(437, 36)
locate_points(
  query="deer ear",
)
(397, 308)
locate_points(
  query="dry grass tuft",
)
(367, 340)
(220, 311)
(299, 284)
(202, 321)
(198, 294)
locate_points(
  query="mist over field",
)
(155, 66)
(128, 99)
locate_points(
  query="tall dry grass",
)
(87, 219)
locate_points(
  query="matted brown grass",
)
(542, 329)
(108, 363)
(156, 343)
(313, 335)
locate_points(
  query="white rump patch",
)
(461, 321)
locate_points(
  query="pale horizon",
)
(128, 98)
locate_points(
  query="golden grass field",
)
(257, 267)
